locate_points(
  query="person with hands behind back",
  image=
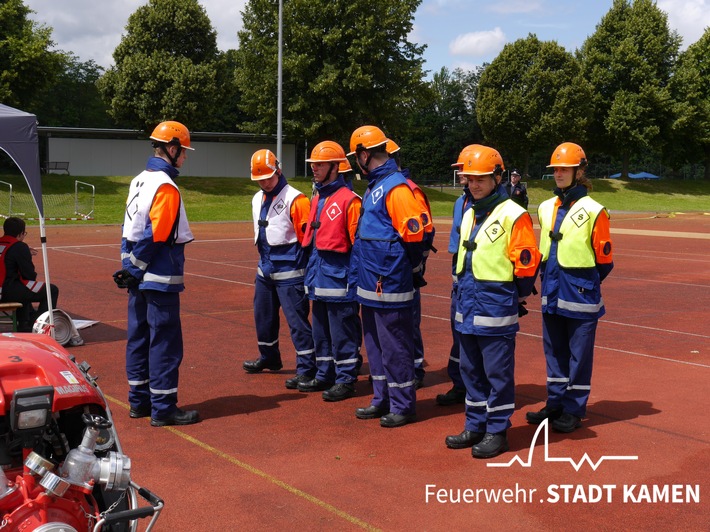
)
(576, 251)
(388, 247)
(496, 265)
(332, 223)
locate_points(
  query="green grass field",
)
(229, 199)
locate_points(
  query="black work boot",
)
(453, 396)
(548, 412)
(491, 445)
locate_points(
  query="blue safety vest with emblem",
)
(384, 270)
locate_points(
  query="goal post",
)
(78, 206)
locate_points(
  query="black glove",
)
(522, 310)
(418, 279)
(124, 279)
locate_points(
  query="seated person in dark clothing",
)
(18, 275)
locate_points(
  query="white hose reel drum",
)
(65, 332)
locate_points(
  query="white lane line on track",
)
(614, 348)
(645, 280)
(683, 257)
(118, 245)
(187, 274)
(662, 234)
(634, 353)
(603, 322)
(447, 318)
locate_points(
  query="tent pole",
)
(45, 262)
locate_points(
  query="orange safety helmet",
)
(392, 147)
(344, 167)
(264, 164)
(366, 137)
(172, 132)
(568, 154)
(462, 156)
(327, 152)
(482, 160)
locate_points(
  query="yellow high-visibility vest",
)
(574, 247)
(489, 260)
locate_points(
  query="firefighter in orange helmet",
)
(576, 249)
(387, 249)
(496, 266)
(429, 231)
(457, 392)
(332, 223)
(280, 214)
(155, 232)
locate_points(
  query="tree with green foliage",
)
(73, 100)
(227, 115)
(629, 61)
(345, 63)
(531, 98)
(690, 87)
(438, 127)
(26, 63)
(166, 67)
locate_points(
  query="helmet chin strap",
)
(574, 182)
(173, 160)
(365, 169)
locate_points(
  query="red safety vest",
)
(332, 234)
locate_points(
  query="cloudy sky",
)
(458, 33)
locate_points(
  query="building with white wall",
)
(104, 152)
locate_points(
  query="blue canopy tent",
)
(18, 138)
(643, 175)
(640, 175)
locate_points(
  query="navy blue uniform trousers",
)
(419, 371)
(154, 350)
(569, 354)
(389, 344)
(269, 297)
(453, 368)
(337, 336)
(487, 368)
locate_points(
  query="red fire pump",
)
(62, 468)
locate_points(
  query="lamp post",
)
(279, 82)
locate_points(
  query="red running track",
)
(268, 458)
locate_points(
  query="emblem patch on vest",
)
(334, 211)
(377, 194)
(413, 225)
(525, 257)
(580, 217)
(279, 206)
(495, 231)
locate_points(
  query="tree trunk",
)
(625, 166)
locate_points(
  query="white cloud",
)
(689, 18)
(478, 44)
(93, 28)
